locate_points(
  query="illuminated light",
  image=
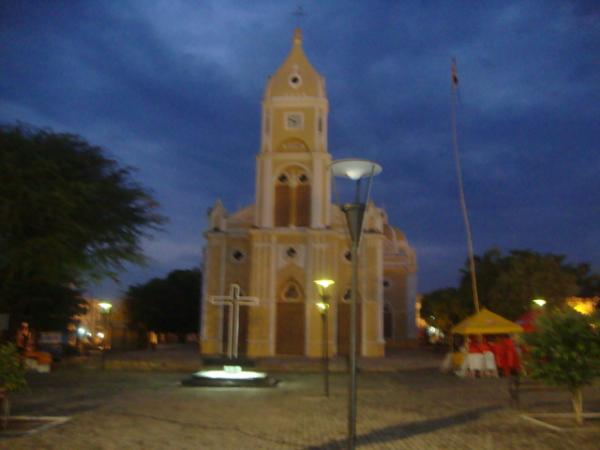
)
(81, 331)
(100, 334)
(583, 305)
(88, 334)
(105, 306)
(228, 375)
(355, 169)
(322, 306)
(539, 301)
(325, 283)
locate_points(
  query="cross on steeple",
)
(299, 14)
(233, 301)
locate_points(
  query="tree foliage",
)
(564, 351)
(169, 304)
(507, 284)
(444, 308)
(12, 371)
(69, 215)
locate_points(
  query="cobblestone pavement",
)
(416, 408)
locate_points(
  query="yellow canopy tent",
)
(486, 322)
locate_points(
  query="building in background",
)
(293, 235)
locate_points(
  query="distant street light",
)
(355, 170)
(540, 302)
(105, 309)
(323, 306)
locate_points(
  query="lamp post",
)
(323, 305)
(105, 309)
(355, 170)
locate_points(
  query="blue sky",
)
(173, 88)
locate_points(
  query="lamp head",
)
(355, 169)
(539, 301)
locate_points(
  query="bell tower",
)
(293, 184)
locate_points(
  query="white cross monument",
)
(233, 301)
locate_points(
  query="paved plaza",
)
(411, 407)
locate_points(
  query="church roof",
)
(394, 234)
(296, 77)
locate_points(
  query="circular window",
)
(283, 178)
(303, 178)
(291, 252)
(348, 255)
(295, 80)
(386, 283)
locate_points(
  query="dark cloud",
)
(174, 88)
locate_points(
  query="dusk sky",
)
(174, 89)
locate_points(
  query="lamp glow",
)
(100, 334)
(105, 306)
(324, 283)
(355, 169)
(539, 301)
(230, 375)
(322, 306)
(81, 331)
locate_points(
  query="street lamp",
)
(539, 301)
(105, 309)
(355, 170)
(323, 306)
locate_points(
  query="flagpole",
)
(463, 203)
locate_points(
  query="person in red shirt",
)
(513, 362)
(475, 358)
(489, 359)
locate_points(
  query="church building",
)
(293, 234)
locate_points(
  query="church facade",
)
(293, 234)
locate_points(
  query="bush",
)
(12, 372)
(565, 351)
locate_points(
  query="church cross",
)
(299, 14)
(233, 301)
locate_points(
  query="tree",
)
(69, 215)
(12, 378)
(168, 304)
(565, 351)
(524, 275)
(444, 308)
(508, 283)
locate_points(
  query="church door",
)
(343, 324)
(290, 321)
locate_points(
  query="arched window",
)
(283, 193)
(292, 292)
(292, 198)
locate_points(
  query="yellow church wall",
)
(395, 295)
(215, 251)
(261, 317)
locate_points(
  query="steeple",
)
(292, 179)
(296, 77)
